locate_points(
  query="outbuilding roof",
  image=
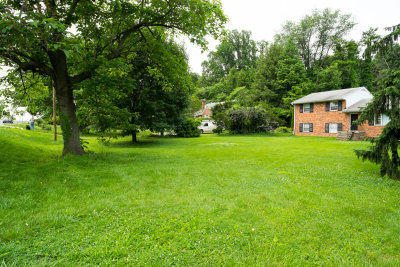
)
(327, 96)
(357, 107)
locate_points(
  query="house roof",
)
(357, 107)
(207, 106)
(211, 105)
(327, 96)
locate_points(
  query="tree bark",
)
(54, 113)
(64, 93)
(134, 137)
(69, 123)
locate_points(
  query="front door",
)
(353, 125)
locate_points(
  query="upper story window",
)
(334, 106)
(307, 107)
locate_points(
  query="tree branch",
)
(29, 65)
(71, 12)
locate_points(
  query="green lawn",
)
(214, 200)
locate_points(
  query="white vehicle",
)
(207, 126)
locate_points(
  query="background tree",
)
(366, 65)
(265, 78)
(346, 58)
(36, 36)
(148, 91)
(291, 74)
(236, 51)
(28, 90)
(328, 79)
(315, 35)
(385, 148)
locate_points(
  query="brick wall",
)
(207, 112)
(370, 130)
(320, 116)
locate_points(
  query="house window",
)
(377, 121)
(307, 107)
(334, 106)
(333, 127)
(306, 127)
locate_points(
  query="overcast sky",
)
(264, 18)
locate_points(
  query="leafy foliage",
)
(317, 34)
(149, 91)
(241, 120)
(188, 128)
(68, 41)
(385, 148)
(237, 51)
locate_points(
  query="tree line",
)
(311, 55)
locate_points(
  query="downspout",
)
(294, 118)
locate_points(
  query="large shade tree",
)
(68, 40)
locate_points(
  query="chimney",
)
(203, 103)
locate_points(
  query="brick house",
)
(332, 112)
(205, 111)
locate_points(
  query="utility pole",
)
(54, 114)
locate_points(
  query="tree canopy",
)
(236, 51)
(68, 40)
(316, 35)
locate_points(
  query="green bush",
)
(188, 128)
(39, 122)
(283, 130)
(218, 130)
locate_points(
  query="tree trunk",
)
(69, 123)
(134, 138)
(64, 93)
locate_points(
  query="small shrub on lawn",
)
(189, 128)
(218, 130)
(283, 130)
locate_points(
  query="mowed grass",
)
(215, 200)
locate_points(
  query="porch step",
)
(344, 135)
(349, 135)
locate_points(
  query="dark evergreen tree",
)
(385, 148)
